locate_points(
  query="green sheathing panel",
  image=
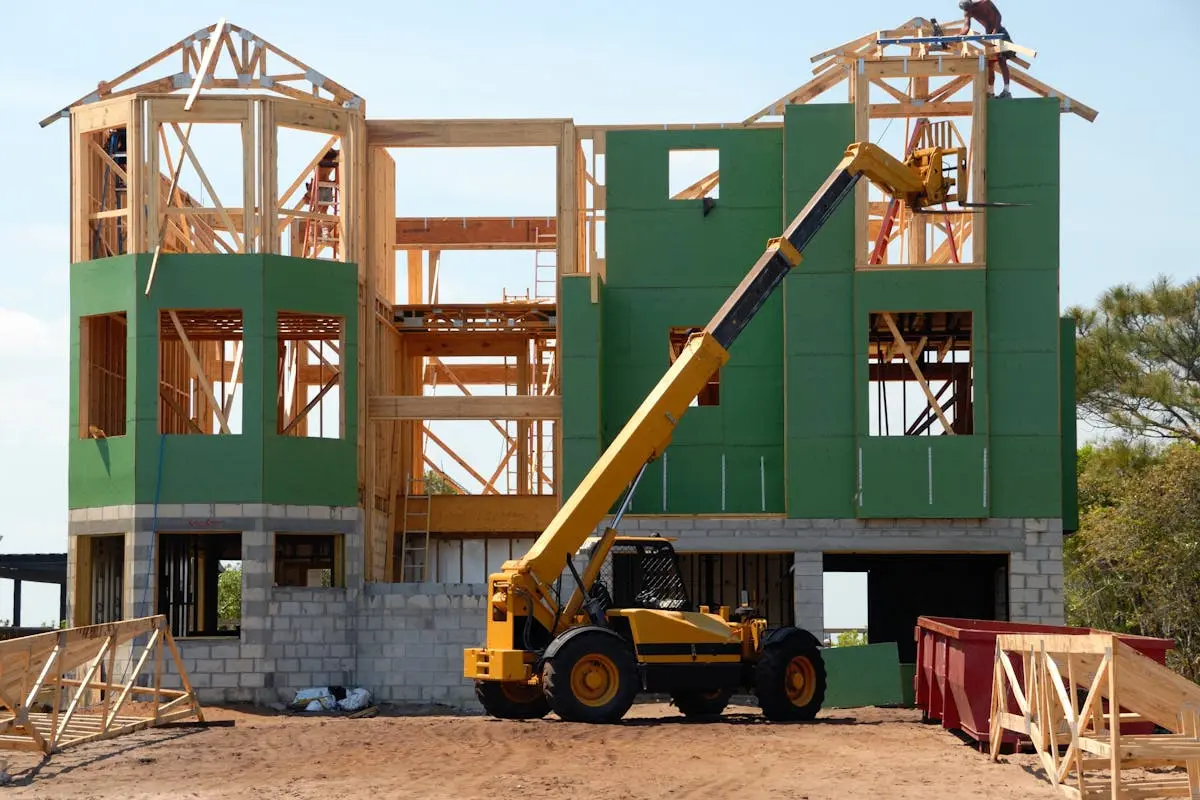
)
(195, 468)
(669, 264)
(255, 465)
(1026, 415)
(819, 323)
(309, 470)
(923, 476)
(579, 349)
(863, 676)
(1070, 478)
(100, 471)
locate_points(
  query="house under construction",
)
(265, 372)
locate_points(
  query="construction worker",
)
(986, 13)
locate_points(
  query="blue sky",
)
(1124, 177)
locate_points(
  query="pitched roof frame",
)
(920, 41)
(242, 52)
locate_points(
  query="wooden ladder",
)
(545, 267)
(414, 534)
(324, 198)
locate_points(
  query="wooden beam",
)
(456, 344)
(415, 263)
(916, 371)
(475, 233)
(898, 67)
(207, 63)
(424, 429)
(1066, 104)
(464, 132)
(201, 376)
(475, 407)
(900, 110)
(162, 225)
(567, 245)
(479, 374)
(491, 513)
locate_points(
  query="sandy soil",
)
(654, 753)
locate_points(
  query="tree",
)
(436, 483)
(850, 639)
(1104, 469)
(229, 597)
(1134, 565)
(1138, 360)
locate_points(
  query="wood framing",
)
(1073, 694)
(314, 215)
(60, 688)
(489, 407)
(491, 514)
(465, 132)
(143, 181)
(244, 56)
(476, 233)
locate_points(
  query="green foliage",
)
(1138, 360)
(436, 483)
(1103, 470)
(850, 639)
(1134, 565)
(229, 597)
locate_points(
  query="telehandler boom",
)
(627, 625)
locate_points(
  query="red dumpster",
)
(953, 680)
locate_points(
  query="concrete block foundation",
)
(404, 641)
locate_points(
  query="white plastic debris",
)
(355, 700)
(316, 699)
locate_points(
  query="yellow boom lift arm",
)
(528, 620)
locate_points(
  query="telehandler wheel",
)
(592, 678)
(511, 700)
(790, 679)
(701, 704)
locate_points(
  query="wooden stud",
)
(978, 156)
(862, 133)
(201, 376)
(159, 227)
(916, 370)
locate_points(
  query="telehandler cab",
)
(628, 625)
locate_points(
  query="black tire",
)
(701, 704)
(511, 700)
(592, 678)
(790, 679)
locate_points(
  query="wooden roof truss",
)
(911, 42)
(242, 60)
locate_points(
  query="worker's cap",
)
(964, 4)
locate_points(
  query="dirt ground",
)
(654, 753)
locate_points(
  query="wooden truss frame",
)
(1081, 741)
(45, 668)
(942, 99)
(204, 53)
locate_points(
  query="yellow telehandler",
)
(627, 625)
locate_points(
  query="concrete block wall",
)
(404, 642)
(291, 637)
(1034, 547)
(1035, 575)
(411, 638)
